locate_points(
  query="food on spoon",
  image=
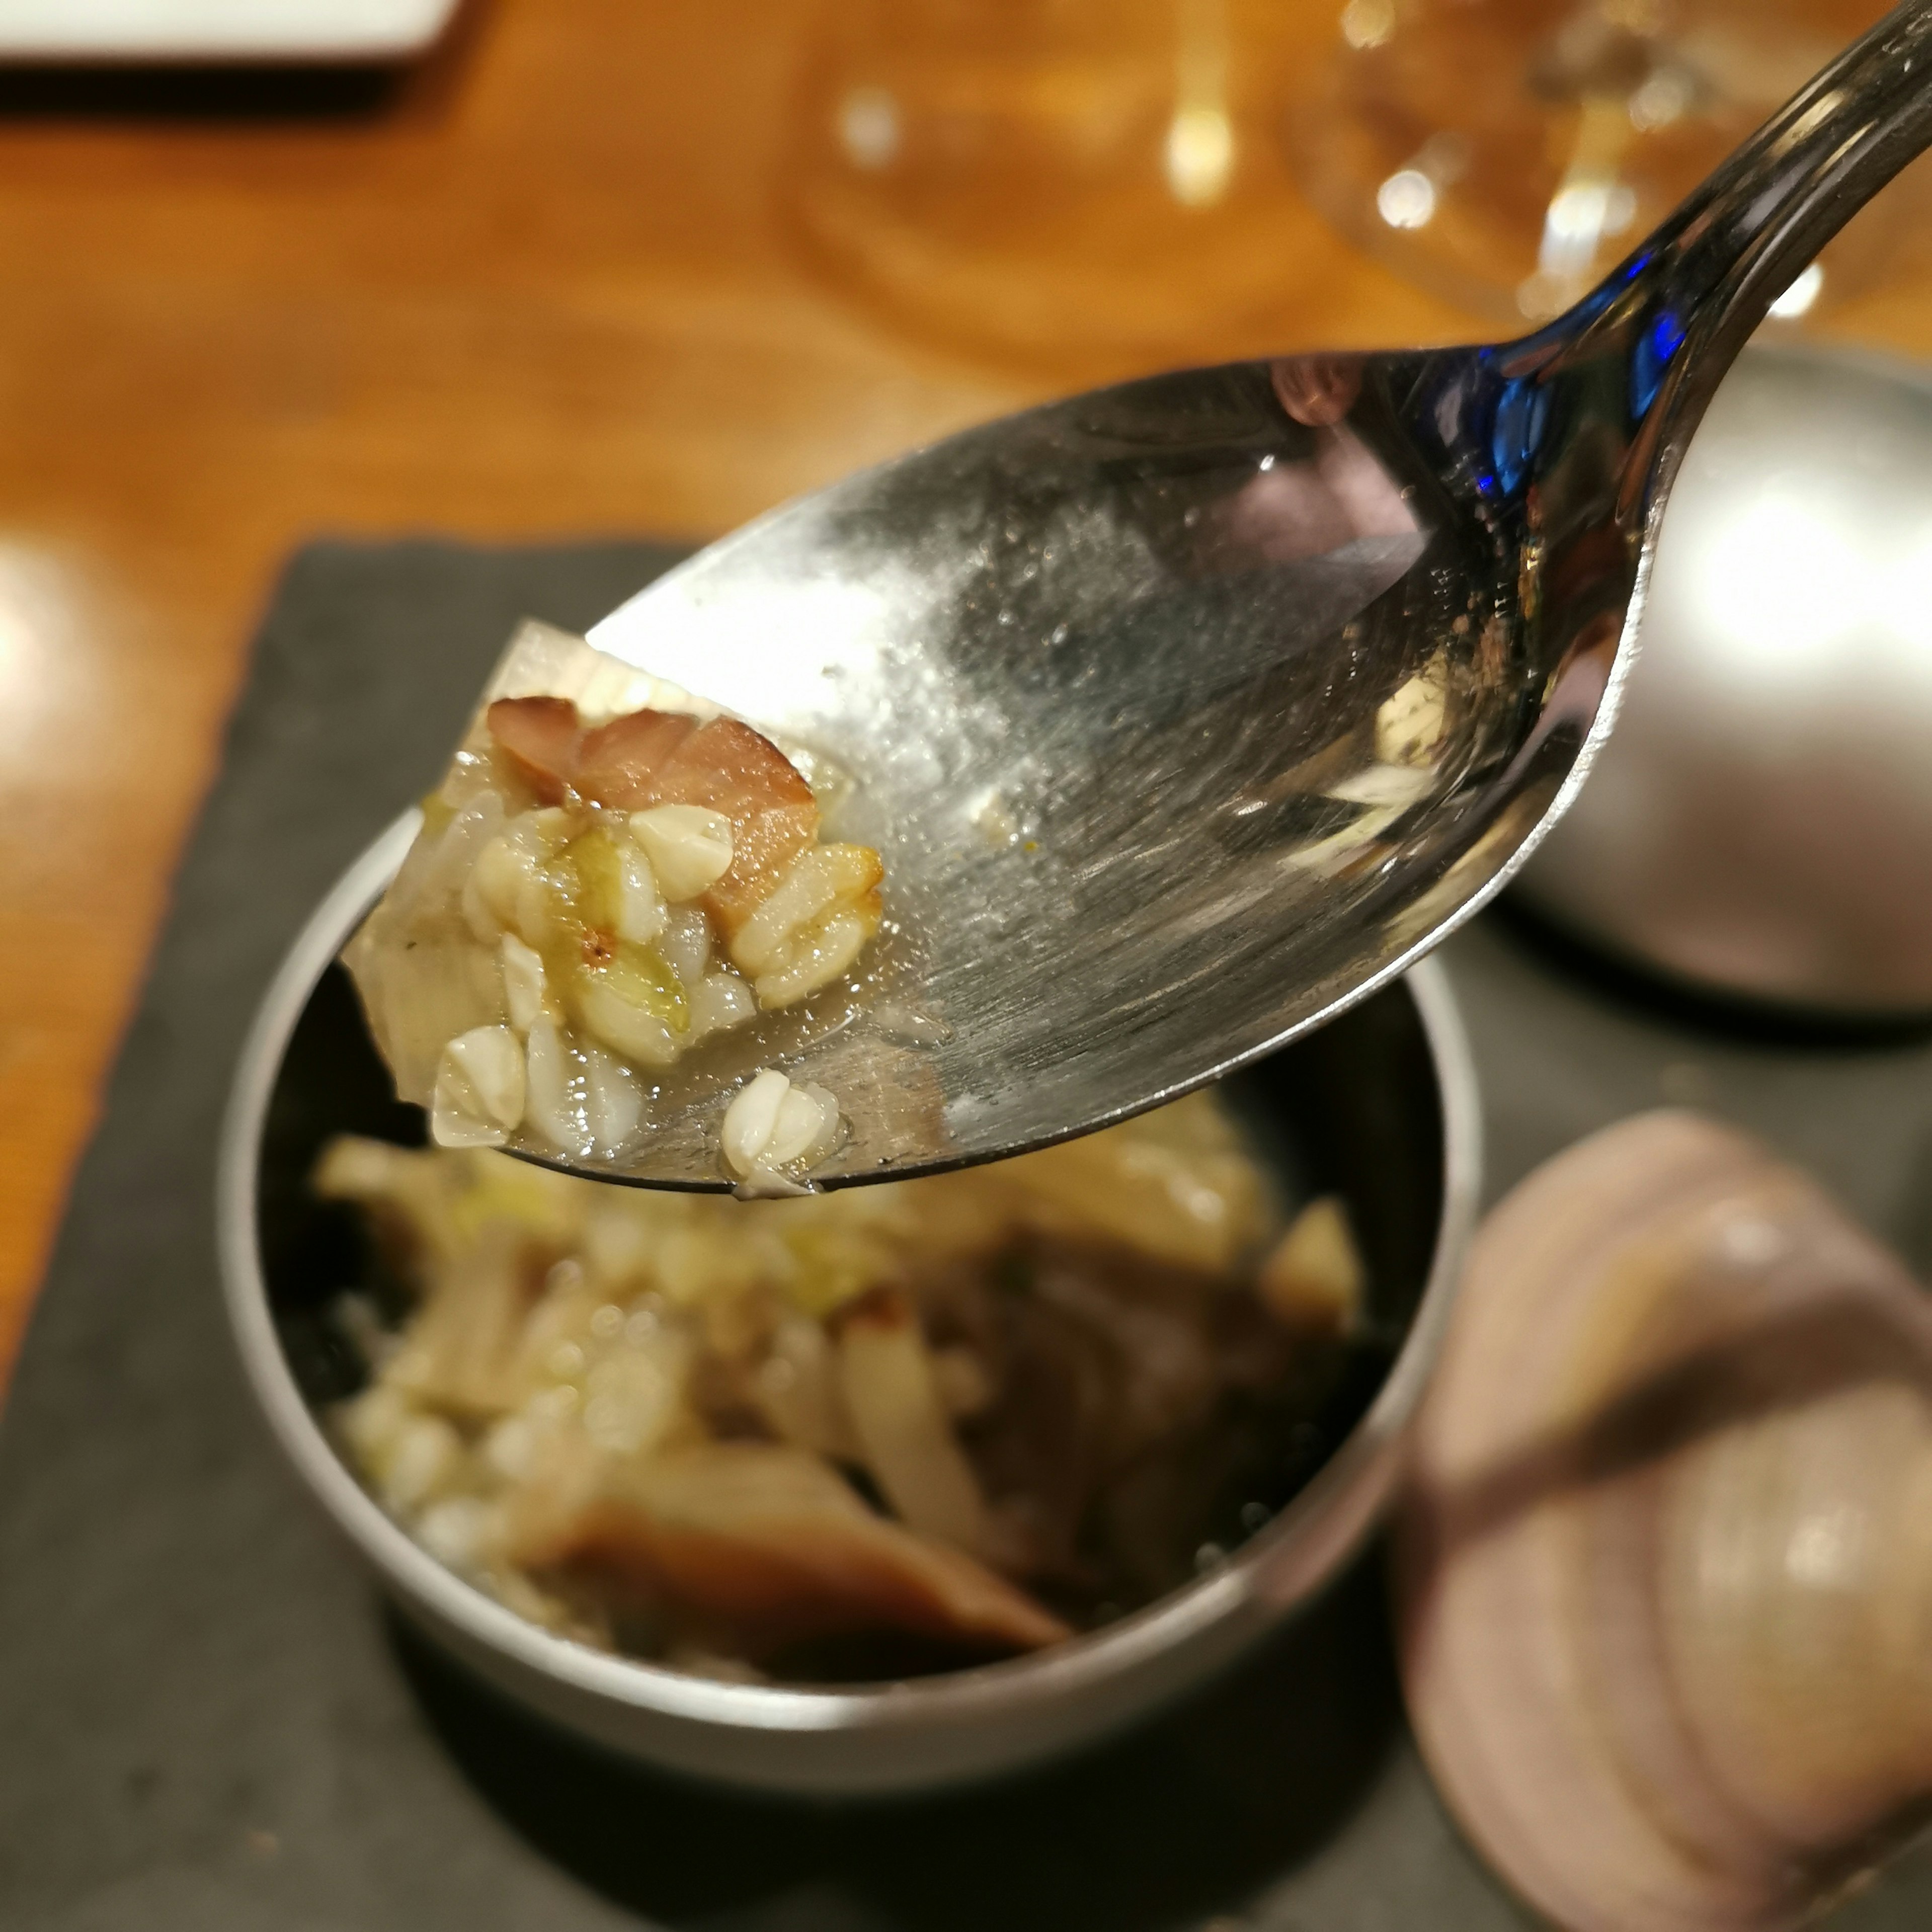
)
(772, 1126)
(847, 1435)
(608, 876)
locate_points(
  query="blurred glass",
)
(1505, 153)
(1088, 183)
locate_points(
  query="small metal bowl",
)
(1380, 1106)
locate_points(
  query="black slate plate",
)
(207, 1721)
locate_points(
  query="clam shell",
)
(1665, 1567)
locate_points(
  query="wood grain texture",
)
(541, 287)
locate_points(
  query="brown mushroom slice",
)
(768, 1546)
(619, 762)
(539, 737)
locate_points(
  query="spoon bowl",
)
(1188, 713)
(1157, 703)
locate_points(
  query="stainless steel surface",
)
(933, 1730)
(1761, 823)
(1126, 681)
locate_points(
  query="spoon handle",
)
(1687, 299)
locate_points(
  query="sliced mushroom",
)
(766, 1546)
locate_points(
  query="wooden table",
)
(536, 289)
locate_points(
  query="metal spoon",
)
(1187, 712)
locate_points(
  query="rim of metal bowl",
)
(977, 1692)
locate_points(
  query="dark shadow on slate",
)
(1183, 1817)
(242, 93)
(1651, 993)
